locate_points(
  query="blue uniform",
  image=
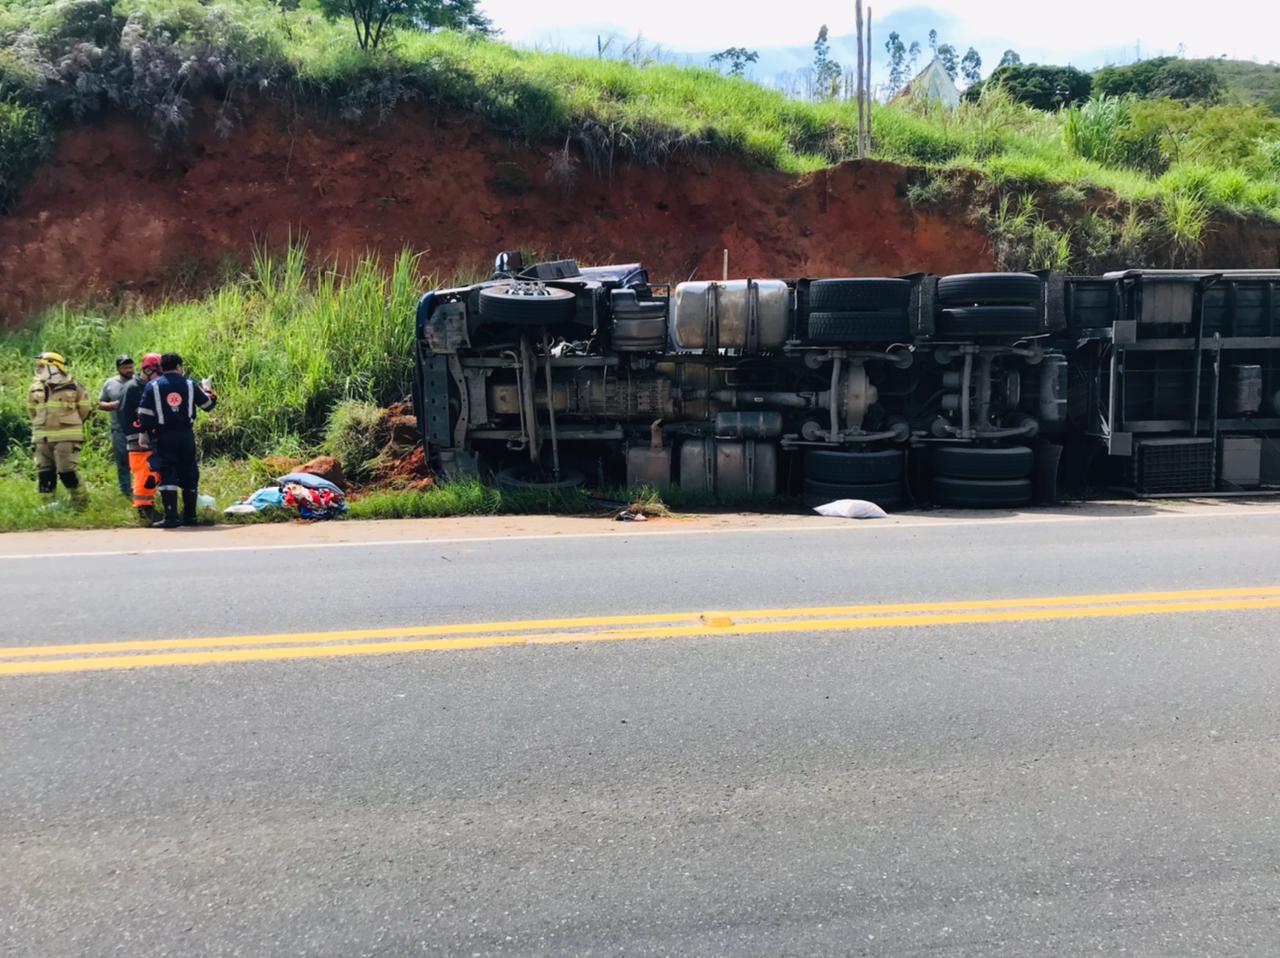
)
(167, 412)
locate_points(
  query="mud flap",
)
(1045, 474)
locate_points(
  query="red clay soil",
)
(113, 217)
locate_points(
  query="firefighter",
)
(59, 407)
(144, 478)
(167, 412)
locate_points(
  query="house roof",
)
(933, 84)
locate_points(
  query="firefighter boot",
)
(170, 521)
(47, 482)
(189, 502)
(79, 498)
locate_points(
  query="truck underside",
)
(980, 390)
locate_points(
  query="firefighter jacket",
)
(169, 404)
(58, 411)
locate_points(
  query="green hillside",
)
(1248, 82)
(66, 62)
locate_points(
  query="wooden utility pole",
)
(861, 77)
(866, 85)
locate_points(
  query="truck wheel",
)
(970, 462)
(886, 495)
(527, 304)
(981, 493)
(844, 466)
(990, 289)
(863, 326)
(836, 295)
(991, 321)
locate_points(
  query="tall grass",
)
(284, 343)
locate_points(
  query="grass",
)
(285, 342)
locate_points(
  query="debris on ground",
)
(326, 467)
(628, 516)
(309, 495)
(851, 509)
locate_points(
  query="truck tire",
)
(990, 289)
(886, 495)
(846, 467)
(981, 493)
(991, 321)
(970, 462)
(527, 304)
(863, 326)
(838, 295)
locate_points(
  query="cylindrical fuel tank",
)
(749, 425)
(732, 469)
(743, 314)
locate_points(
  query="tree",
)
(933, 41)
(902, 61)
(949, 59)
(1009, 58)
(1188, 81)
(373, 18)
(737, 58)
(971, 67)
(826, 72)
(1043, 87)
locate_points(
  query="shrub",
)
(355, 436)
(24, 143)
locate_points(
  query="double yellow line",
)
(160, 653)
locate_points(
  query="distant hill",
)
(1251, 82)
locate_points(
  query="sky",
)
(1091, 34)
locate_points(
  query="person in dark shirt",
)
(167, 412)
(144, 479)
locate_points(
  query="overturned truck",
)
(987, 390)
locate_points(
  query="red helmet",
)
(151, 359)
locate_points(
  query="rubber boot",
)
(189, 502)
(47, 482)
(170, 521)
(79, 498)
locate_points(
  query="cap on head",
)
(151, 361)
(170, 362)
(55, 360)
(124, 359)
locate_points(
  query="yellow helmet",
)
(55, 360)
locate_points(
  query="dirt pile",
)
(113, 217)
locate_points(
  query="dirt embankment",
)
(112, 216)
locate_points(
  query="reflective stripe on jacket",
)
(58, 411)
(170, 403)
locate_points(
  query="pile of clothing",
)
(308, 495)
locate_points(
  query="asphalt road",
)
(1102, 778)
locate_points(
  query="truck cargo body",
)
(961, 391)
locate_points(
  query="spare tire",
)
(867, 326)
(981, 493)
(976, 462)
(884, 494)
(832, 295)
(990, 289)
(991, 321)
(527, 304)
(846, 466)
